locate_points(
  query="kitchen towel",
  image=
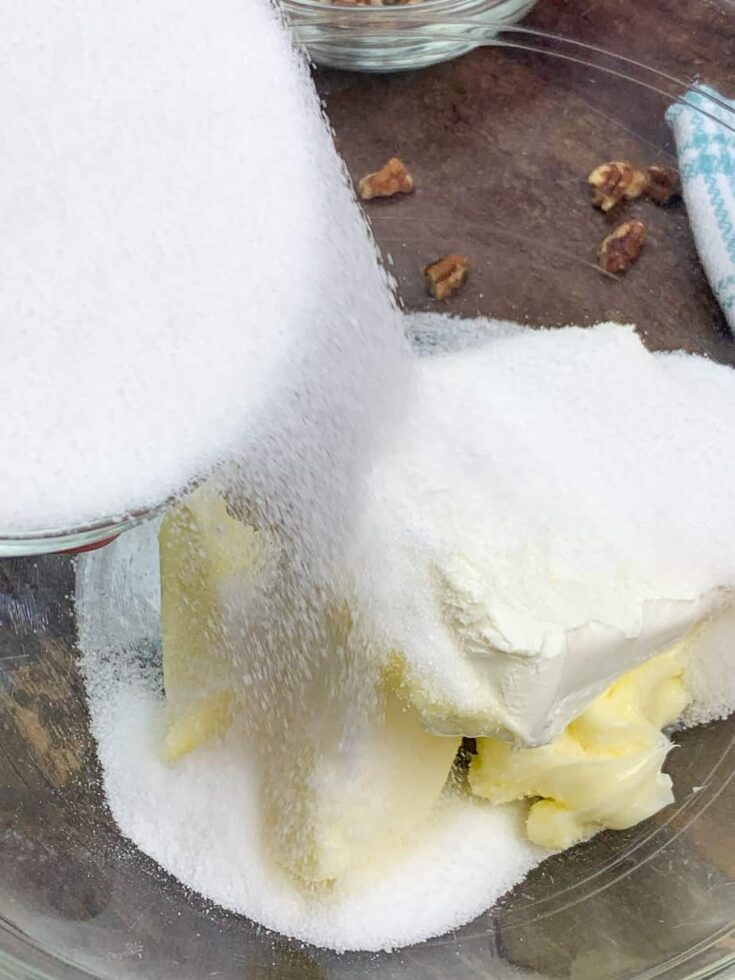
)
(704, 132)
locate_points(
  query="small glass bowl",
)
(396, 36)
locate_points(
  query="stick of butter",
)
(603, 770)
(342, 784)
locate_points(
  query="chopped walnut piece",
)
(663, 184)
(621, 248)
(393, 178)
(446, 276)
(615, 182)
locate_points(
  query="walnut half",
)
(392, 178)
(445, 276)
(663, 184)
(621, 248)
(615, 182)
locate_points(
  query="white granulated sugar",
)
(710, 669)
(580, 441)
(582, 475)
(199, 820)
(173, 216)
(439, 333)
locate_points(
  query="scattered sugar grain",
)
(441, 333)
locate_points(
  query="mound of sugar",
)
(175, 221)
(198, 818)
(561, 496)
(710, 669)
(200, 821)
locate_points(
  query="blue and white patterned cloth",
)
(706, 149)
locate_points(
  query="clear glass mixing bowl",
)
(500, 143)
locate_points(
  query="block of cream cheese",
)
(550, 514)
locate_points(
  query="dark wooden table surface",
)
(500, 143)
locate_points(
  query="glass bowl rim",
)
(328, 9)
(16, 542)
